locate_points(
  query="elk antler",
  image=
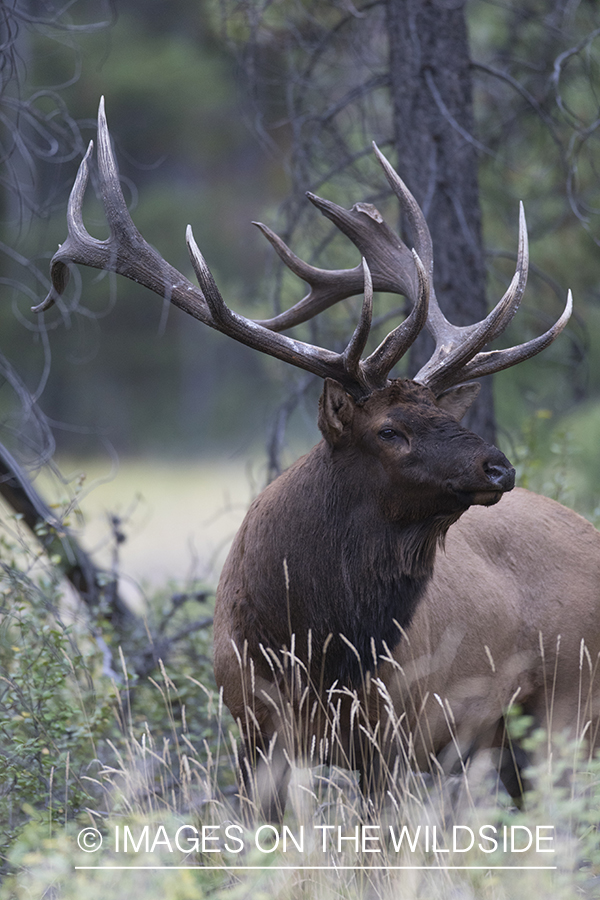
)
(127, 253)
(387, 265)
(457, 355)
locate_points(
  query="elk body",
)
(509, 616)
(339, 565)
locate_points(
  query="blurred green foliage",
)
(69, 706)
(51, 709)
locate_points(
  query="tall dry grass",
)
(175, 824)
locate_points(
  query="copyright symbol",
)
(89, 840)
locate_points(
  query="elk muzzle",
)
(496, 476)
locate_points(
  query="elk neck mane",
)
(346, 569)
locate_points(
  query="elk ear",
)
(457, 400)
(336, 411)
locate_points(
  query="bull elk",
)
(337, 564)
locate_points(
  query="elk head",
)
(414, 448)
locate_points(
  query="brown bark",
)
(430, 83)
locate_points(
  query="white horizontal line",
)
(314, 868)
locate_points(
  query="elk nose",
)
(502, 475)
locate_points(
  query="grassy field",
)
(178, 517)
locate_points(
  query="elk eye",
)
(388, 434)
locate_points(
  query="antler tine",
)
(444, 333)
(393, 347)
(519, 279)
(343, 367)
(457, 346)
(115, 208)
(496, 360)
(327, 286)
(220, 313)
(419, 228)
(358, 341)
(77, 234)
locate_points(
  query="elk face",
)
(413, 452)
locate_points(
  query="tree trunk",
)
(430, 84)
